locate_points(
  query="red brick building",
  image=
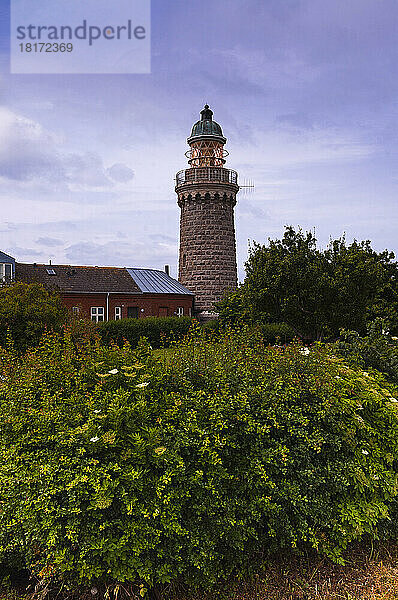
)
(108, 293)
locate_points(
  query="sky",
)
(306, 92)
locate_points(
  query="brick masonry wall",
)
(149, 305)
(207, 265)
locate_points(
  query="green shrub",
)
(270, 332)
(377, 350)
(115, 466)
(157, 330)
(277, 332)
(26, 311)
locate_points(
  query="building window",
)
(180, 311)
(97, 313)
(5, 272)
(184, 260)
(132, 312)
(118, 313)
(51, 272)
(75, 311)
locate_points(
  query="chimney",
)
(49, 262)
(167, 270)
(35, 265)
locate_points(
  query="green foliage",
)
(276, 332)
(377, 350)
(233, 311)
(316, 292)
(233, 308)
(118, 466)
(157, 330)
(26, 311)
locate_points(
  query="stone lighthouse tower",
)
(207, 196)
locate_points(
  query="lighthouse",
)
(206, 193)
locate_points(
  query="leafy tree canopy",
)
(316, 292)
(26, 310)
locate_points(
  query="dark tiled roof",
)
(78, 279)
(157, 282)
(6, 258)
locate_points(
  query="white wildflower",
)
(142, 385)
(365, 452)
(364, 373)
(394, 337)
(391, 399)
(97, 411)
(304, 351)
(113, 372)
(94, 439)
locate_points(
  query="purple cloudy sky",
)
(306, 92)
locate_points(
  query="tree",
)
(318, 292)
(26, 311)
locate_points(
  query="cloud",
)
(85, 170)
(115, 252)
(299, 120)
(26, 150)
(121, 173)
(247, 208)
(29, 153)
(27, 253)
(162, 238)
(50, 242)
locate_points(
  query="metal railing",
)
(207, 174)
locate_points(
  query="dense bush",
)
(26, 311)
(276, 332)
(157, 330)
(116, 466)
(376, 350)
(316, 292)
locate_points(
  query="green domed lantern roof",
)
(206, 126)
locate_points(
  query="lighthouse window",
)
(184, 260)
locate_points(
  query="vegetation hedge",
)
(116, 466)
(162, 331)
(159, 331)
(376, 350)
(26, 311)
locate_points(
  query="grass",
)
(369, 574)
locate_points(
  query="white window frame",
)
(118, 313)
(97, 314)
(180, 311)
(3, 272)
(75, 311)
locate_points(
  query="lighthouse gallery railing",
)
(207, 174)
